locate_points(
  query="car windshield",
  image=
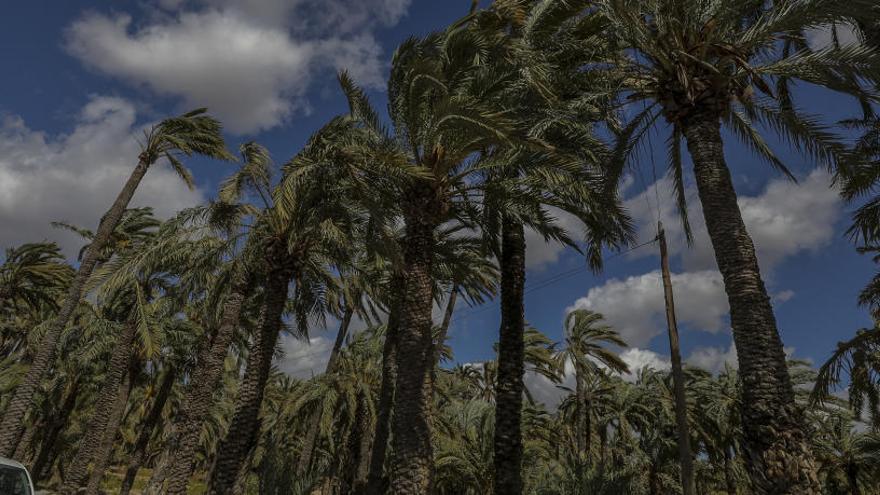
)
(14, 481)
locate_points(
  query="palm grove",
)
(148, 365)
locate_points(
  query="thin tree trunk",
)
(13, 418)
(53, 430)
(355, 451)
(580, 412)
(305, 458)
(852, 477)
(159, 474)
(411, 469)
(105, 406)
(511, 353)
(777, 452)
(24, 448)
(729, 478)
(200, 394)
(362, 466)
(376, 478)
(245, 426)
(684, 440)
(148, 425)
(105, 450)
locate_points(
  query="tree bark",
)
(160, 473)
(245, 427)
(411, 469)
(511, 352)
(362, 466)
(852, 477)
(379, 448)
(53, 430)
(729, 478)
(105, 450)
(305, 458)
(200, 394)
(580, 412)
(148, 425)
(777, 452)
(105, 407)
(13, 418)
(685, 456)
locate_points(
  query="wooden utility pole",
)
(684, 440)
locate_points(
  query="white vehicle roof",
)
(9, 462)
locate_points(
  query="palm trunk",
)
(376, 478)
(148, 425)
(200, 394)
(245, 426)
(305, 459)
(53, 430)
(105, 450)
(511, 352)
(579, 411)
(777, 453)
(852, 477)
(13, 418)
(411, 469)
(350, 476)
(105, 406)
(729, 478)
(362, 466)
(588, 426)
(25, 444)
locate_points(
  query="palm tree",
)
(308, 230)
(848, 454)
(584, 348)
(192, 132)
(859, 358)
(698, 64)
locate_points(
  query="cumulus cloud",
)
(541, 253)
(75, 177)
(785, 219)
(713, 359)
(304, 359)
(636, 308)
(252, 73)
(639, 359)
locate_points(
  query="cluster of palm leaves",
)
(150, 365)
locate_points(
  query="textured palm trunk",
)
(24, 448)
(160, 473)
(245, 426)
(379, 448)
(59, 419)
(777, 453)
(511, 353)
(44, 358)
(105, 406)
(305, 459)
(200, 395)
(580, 412)
(412, 461)
(362, 466)
(729, 478)
(852, 477)
(139, 454)
(105, 450)
(351, 473)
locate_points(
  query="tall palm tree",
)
(859, 358)
(584, 348)
(698, 65)
(308, 230)
(192, 133)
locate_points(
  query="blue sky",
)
(81, 79)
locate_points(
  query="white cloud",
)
(638, 359)
(303, 359)
(75, 177)
(713, 359)
(252, 73)
(636, 308)
(785, 219)
(541, 253)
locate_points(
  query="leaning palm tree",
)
(584, 348)
(192, 133)
(697, 65)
